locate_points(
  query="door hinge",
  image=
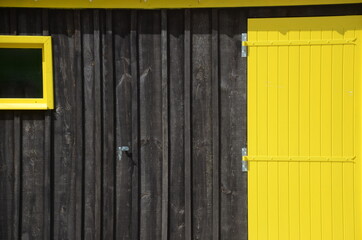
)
(244, 48)
(244, 164)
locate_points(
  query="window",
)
(26, 78)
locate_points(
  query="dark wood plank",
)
(165, 125)
(29, 22)
(7, 163)
(215, 126)
(187, 115)
(126, 203)
(202, 159)
(32, 223)
(150, 124)
(6, 173)
(135, 128)
(176, 220)
(48, 154)
(92, 122)
(68, 123)
(233, 125)
(108, 122)
(17, 213)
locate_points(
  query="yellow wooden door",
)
(304, 128)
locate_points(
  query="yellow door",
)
(304, 128)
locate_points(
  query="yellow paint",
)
(44, 43)
(158, 4)
(304, 128)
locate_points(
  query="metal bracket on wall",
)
(244, 47)
(121, 150)
(244, 164)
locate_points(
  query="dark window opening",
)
(21, 73)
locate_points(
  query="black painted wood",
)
(165, 125)
(150, 110)
(188, 127)
(136, 153)
(202, 124)
(215, 126)
(125, 170)
(108, 140)
(68, 127)
(176, 203)
(170, 85)
(232, 125)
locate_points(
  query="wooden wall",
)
(171, 85)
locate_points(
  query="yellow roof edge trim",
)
(164, 4)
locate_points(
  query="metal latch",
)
(244, 164)
(244, 48)
(121, 150)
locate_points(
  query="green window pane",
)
(21, 73)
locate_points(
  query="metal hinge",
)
(244, 164)
(244, 48)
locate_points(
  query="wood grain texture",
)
(92, 122)
(7, 174)
(136, 153)
(68, 124)
(48, 155)
(150, 86)
(165, 125)
(32, 153)
(202, 142)
(7, 154)
(215, 126)
(126, 170)
(108, 211)
(232, 126)
(176, 126)
(187, 128)
(170, 85)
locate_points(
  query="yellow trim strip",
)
(299, 158)
(300, 43)
(23, 106)
(159, 4)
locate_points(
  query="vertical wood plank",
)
(165, 125)
(215, 126)
(187, 115)
(48, 157)
(32, 144)
(17, 176)
(233, 215)
(176, 220)
(92, 122)
(6, 174)
(68, 124)
(32, 176)
(150, 124)
(135, 128)
(201, 108)
(108, 122)
(126, 202)
(17, 150)
(7, 163)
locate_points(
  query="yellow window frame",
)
(34, 42)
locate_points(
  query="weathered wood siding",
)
(171, 85)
